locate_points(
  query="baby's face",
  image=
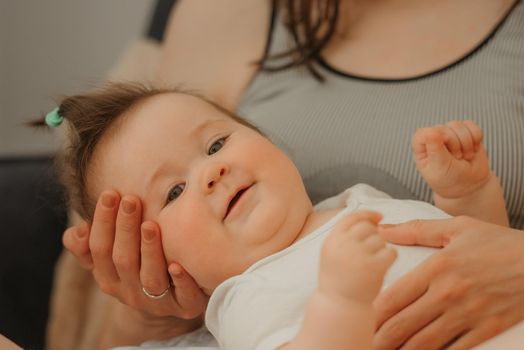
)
(223, 195)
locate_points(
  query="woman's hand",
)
(125, 255)
(464, 294)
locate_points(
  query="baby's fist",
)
(355, 258)
(451, 158)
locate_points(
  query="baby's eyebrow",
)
(204, 125)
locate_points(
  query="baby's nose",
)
(213, 174)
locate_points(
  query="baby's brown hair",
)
(89, 117)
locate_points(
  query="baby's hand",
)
(451, 158)
(354, 258)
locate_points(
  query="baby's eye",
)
(216, 146)
(175, 192)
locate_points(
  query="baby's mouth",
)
(235, 200)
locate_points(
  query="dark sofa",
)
(32, 217)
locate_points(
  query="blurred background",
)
(48, 49)
(55, 47)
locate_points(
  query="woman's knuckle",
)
(101, 250)
(153, 285)
(106, 287)
(133, 300)
(439, 264)
(104, 283)
(453, 291)
(477, 305)
(393, 331)
(125, 262)
(126, 224)
(451, 259)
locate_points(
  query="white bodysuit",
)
(263, 307)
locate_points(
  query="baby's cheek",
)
(179, 239)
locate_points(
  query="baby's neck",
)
(314, 220)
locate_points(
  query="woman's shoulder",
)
(210, 46)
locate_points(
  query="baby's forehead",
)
(179, 114)
(185, 106)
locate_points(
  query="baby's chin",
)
(210, 282)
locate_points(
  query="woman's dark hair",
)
(311, 24)
(88, 118)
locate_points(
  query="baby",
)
(234, 212)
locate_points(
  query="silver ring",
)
(157, 296)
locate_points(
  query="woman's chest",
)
(391, 40)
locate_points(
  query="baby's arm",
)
(353, 263)
(453, 161)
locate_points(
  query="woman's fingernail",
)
(176, 271)
(147, 234)
(128, 206)
(108, 201)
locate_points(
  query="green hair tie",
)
(53, 118)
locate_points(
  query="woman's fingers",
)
(102, 238)
(483, 332)
(437, 334)
(429, 233)
(126, 249)
(397, 330)
(188, 301)
(76, 240)
(188, 294)
(153, 269)
(402, 293)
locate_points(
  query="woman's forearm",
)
(126, 326)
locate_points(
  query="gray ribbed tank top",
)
(352, 129)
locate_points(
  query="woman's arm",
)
(212, 47)
(7, 344)
(126, 326)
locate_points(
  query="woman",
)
(363, 74)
